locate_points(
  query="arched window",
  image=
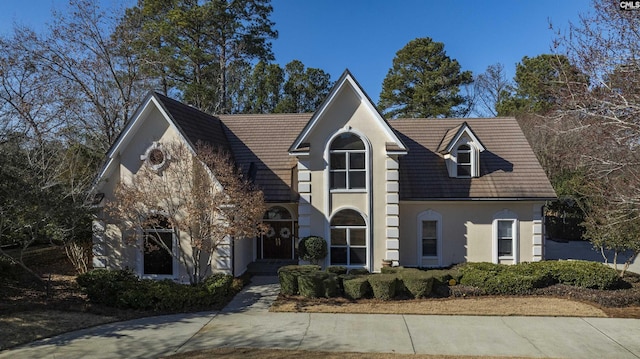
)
(464, 161)
(348, 239)
(276, 213)
(158, 247)
(347, 162)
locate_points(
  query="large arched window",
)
(347, 162)
(158, 247)
(348, 239)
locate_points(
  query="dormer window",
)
(464, 165)
(461, 148)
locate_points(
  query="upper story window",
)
(464, 164)
(461, 149)
(347, 162)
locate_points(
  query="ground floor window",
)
(505, 237)
(158, 248)
(429, 239)
(348, 239)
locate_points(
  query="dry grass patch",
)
(508, 306)
(22, 327)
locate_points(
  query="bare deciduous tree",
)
(201, 195)
(605, 111)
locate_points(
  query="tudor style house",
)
(417, 192)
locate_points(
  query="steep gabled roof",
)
(192, 125)
(452, 136)
(301, 144)
(196, 126)
(508, 167)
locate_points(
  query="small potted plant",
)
(312, 249)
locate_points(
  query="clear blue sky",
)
(364, 35)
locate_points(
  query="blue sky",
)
(364, 35)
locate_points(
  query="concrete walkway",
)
(246, 322)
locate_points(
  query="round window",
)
(156, 157)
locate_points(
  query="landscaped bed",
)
(553, 288)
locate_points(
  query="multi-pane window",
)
(348, 239)
(429, 238)
(505, 238)
(347, 162)
(464, 161)
(158, 247)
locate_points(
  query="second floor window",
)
(464, 161)
(347, 162)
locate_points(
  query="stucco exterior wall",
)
(318, 204)
(467, 233)
(116, 250)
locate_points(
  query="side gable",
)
(191, 125)
(301, 145)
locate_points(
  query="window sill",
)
(359, 190)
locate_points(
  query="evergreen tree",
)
(424, 82)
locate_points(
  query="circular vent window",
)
(156, 157)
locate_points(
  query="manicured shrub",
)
(383, 285)
(388, 270)
(585, 274)
(122, 289)
(417, 283)
(356, 287)
(332, 286)
(104, 286)
(338, 270)
(312, 249)
(358, 271)
(219, 284)
(288, 277)
(311, 284)
(443, 276)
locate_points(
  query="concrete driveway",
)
(246, 322)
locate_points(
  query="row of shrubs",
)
(310, 281)
(123, 289)
(523, 278)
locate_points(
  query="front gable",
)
(148, 125)
(348, 107)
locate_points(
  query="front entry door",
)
(277, 243)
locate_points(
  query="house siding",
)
(467, 234)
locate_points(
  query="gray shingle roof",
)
(508, 166)
(260, 146)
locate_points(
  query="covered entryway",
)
(279, 241)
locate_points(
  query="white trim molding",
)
(430, 215)
(505, 215)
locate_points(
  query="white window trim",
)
(430, 215)
(367, 238)
(474, 156)
(505, 215)
(367, 161)
(174, 257)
